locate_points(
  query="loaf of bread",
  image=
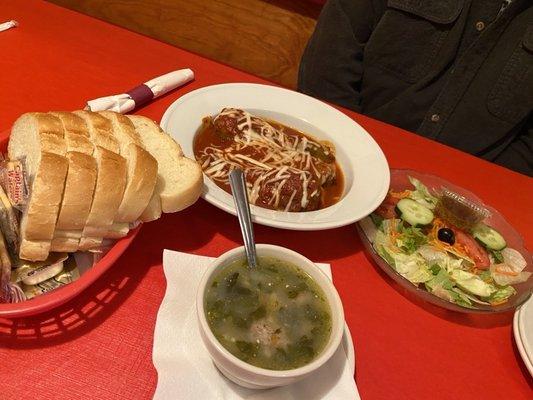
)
(92, 175)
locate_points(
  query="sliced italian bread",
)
(179, 179)
(40, 216)
(100, 130)
(39, 139)
(34, 133)
(76, 132)
(79, 186)
(142, 169)
(141, 178)
(77, 200)
(110, 184)
(110, 181)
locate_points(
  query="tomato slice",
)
(473, 248)
(387, 208)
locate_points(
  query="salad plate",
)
(362, 162)
(442, 243)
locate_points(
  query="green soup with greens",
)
(274, 316)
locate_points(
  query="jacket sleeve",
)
(518, 155)
(332, 64)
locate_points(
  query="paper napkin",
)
(143, 93)
(184, 367)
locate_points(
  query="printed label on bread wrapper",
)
(69, 274)
(14, 181)
(9, 224)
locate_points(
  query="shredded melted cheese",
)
(278, 157)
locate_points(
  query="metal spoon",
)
(240, 197)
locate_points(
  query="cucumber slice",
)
(489, 237)
(414, 213)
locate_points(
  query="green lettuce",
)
(496, 255)
(440, 284)
(471, 283)
(410, 266)
(422, 195)
(505, 275)
(502, 294)
(387, 225)
(442, 258)
(511, 270)
(410, 239)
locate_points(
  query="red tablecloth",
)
(99, 345)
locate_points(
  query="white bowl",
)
(364, 166)
(250, 376)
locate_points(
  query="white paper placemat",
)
(184, 367)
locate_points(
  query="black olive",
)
(446, 235)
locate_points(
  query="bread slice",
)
(33, 133)
(100, 130)
(110, 185)
(117, 230)
(76, 132)
(140, 178)
(142, 168)
(153, 211)
(39, 139)
(179, 179)
(79, 185)
(39, 219)
(122, 129)
(77, 200)
(111, 168)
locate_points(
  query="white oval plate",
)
(523, 334)
(366, 172)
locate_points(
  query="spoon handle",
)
(240, 197)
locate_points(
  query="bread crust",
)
(123, 129)
(100, 130)
(110, 185)
(76, 132)
(153, 210)
(39, 219)
(142, 168)
(189, 184)
(142, 177)
(51, 133)
(79, 189)
(180, 179)
(34, 250)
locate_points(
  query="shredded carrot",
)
(508, 273)
(400, 195)
(393, 233)
(455, 248)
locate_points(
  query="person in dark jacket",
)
(456, 71)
